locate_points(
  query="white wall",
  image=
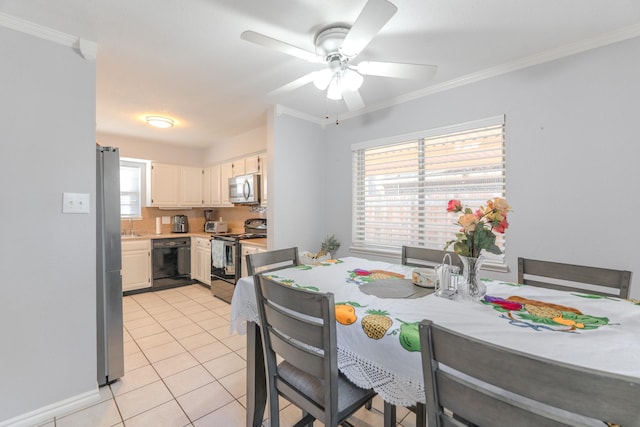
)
(138, 148)
(296, 170)
(572, 155)
(241, 145)
(47, 259)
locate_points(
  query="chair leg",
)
(421, 415)
(389, 414)
(369, 404)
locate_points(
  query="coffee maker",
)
(180, 224)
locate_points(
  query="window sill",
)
(487, 265)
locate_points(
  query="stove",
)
(226, 257)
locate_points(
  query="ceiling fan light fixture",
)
(335, 90)
(322, 78)
(351, 80)
(160, 121)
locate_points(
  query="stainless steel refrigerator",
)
(109, 265)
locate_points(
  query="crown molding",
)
(281, 109)
(86, 48)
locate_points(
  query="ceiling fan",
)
(336, 47)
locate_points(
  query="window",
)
(401, 185)
(132, 187)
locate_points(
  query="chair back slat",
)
(554, 275)
(493, 376)
(425, 257)
(293, 326)
(302, 358)
(272, 260)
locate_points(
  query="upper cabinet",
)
(226, 172)
(165, 182)
(186, 186)
(191, 186)
(211, 186)
(176, 186)
(262, 169)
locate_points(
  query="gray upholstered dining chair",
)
(299, 327)
(570, 277)
(498, 386)
(272, 260)
(425, 257)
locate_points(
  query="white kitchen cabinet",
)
(262, 165)
(176, 186)
(237, 167)
(191, 186)
(201, 268)
(136, 264)
(226, 172)
(164, 184)
(248, 248)
(252, 165)
(212, 187)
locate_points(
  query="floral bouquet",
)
(477, 228)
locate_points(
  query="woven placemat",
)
(394, 288)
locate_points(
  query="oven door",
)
(230, 258)
(223, 264)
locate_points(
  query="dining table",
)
(378, 310)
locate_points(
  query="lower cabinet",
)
(136, 264)
(249, 249)
(201, 255)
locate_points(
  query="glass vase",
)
(472, 288)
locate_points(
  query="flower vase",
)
(473, 288)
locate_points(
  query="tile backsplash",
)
(233, 216)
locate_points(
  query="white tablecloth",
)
(396, 373)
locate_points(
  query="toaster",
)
(215, 227)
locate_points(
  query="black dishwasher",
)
(171, 262)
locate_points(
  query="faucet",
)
(130, 227)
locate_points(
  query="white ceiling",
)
(185, 58)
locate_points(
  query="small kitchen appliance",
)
(216, 227)
(211, 226)
(180, 224)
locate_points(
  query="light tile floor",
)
(183, 368)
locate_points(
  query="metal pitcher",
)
(447, 274)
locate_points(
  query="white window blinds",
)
(132, 188)
(401, 188)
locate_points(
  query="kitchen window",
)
(401, 185)
(132, 187)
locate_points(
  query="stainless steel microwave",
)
(244, 189)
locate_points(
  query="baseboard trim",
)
(46, 413)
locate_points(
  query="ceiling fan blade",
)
(374, 15)
(397, 70)
(266, 41)
(304, 80)
(353, 100)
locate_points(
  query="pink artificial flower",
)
(454, 206)
(502, 227)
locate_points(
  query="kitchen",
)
(554, 110)
(196, 203)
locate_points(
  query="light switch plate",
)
(166, 220)
(75, 202)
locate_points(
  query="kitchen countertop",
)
(165, 236)
(255, 242)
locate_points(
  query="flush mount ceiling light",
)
(160, 121)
